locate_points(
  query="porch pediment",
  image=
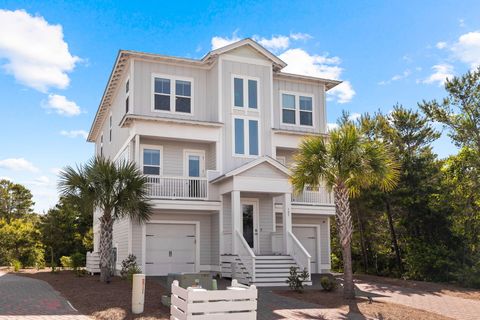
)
(262, 175)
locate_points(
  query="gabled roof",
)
(277, 62)
(265, 159)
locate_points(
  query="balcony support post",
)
(236, 218)
(287, 221)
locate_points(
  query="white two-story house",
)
(216, 138)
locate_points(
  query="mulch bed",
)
(445, 288)
(376, 309)
(100, 300)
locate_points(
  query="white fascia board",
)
(173, 130)
(186, 205)
(264, 185)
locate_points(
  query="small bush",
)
(127, 264)
(295, 280)
(133, 270)
(78, 260)
(328, 283)
(66, 261)
(16, 265)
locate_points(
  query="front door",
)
(194, 169)
(250, 224)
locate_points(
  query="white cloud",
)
(74, 133)
(441, 45)
(461, 23)
(300, 36)
(275, 43)
(41, 181)
(354, 116)
(218, 42)
(396, 77)
(440, 74)
(61, 105)
(301, 62)
(56, 171)
(17, 164)
(467, 48)
(332, 126)
(6, 178)
(34, 50)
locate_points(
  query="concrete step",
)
(272, 257)
(272, 270)
(271, 274)
(270, 265)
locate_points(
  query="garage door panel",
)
(170, 248)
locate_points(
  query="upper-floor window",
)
(127, 95)
(245, 92)
(245, 135)
(297, 109)
(151, 161)
(173, 95)
(101, 145)
(110, 123)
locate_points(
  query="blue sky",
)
(56, 57)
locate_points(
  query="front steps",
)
(270, 271)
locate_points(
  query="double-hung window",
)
(297, 109)
(246, 136)
(172, 95)
(151, 161)
(245, 92)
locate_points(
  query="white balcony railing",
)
(309, 195)
(177, 187)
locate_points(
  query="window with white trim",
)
(151, 161)
(297, 109)
(245, 92)
(246, 136)
(101, 145)
(127, 96)
(172, 95)
(110, 122)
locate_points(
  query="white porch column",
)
(287, 221)
(236, 218)
(137, 151)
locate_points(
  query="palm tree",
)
(347, 163)
(118, 190)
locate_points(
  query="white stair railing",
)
(246, 255)
(177, 187)
(299, 254)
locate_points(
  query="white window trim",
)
(297, 109)
(127, 94)
(110, 126)
(152, 147)
(282, 160)
(101, 145)
(245, 107)
(186, 153)
(246, 137)
(172, 93)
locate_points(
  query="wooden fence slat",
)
(222, 306)
(223, 316)
(222, 295)
(177, 313)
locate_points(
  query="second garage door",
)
(308, 238)
(170, 248)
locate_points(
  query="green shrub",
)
(66, 261)
(16, 265)
(133, 270)
(78, 260)
(328, 283)
(127, 264)
(295, 280)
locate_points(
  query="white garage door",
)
(170, 248)
(308, 238)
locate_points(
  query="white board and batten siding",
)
(236, 303)
(120, 238)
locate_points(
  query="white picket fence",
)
(238, 302)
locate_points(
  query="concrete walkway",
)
(25, 298)
(445, 305)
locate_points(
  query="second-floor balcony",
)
(162, 187)
(313, 196)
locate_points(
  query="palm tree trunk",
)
(106, 230)
(345, 230)
(362, 237)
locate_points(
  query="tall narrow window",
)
(239, 136)
(238, 92)
(127, 104)
(127, 99)
(306, 111)
(162, 94)
(151, 161)
(110, 129)
(252, 94)
(101, 145)
(288, 108)
(183, 96)
(253, 137)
